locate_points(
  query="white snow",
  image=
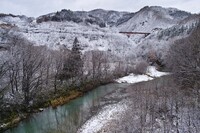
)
(132, 78)
(150, 75)
(151, 71)
(103, 118)
(147, 20)
(56, 35)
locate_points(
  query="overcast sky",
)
(35, 8)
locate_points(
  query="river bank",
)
(66, 118)
(117, 104)
(59, 100)
(74, 94)
(156, 106)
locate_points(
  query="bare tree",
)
(3, 69)
(25, 61)
(31, 63)
(58, 59)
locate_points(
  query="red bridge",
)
(131, 33)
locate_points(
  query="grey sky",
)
(34, 8)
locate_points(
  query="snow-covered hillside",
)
(152, 18)
(99, 29)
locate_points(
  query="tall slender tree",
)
(74, 63)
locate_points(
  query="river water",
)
(67, 118)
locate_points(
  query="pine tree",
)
(74, 63)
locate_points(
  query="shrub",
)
(141, 67)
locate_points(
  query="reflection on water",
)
(67, 118)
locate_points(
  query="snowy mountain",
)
(99, 17)
(151, 18)
(99, 29)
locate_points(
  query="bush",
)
(141, 67)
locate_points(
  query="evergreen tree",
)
(74, 63)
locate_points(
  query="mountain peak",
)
(98, 10)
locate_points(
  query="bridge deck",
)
(131, 33)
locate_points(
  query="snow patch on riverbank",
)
(103, 118)
(153, 72)
(132, 78)
(150, 75)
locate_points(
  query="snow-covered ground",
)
(132, 78)
(150, 75)
(103, 118)
(153, 72)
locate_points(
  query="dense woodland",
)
(157, 106)
(184, 60)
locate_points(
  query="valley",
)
(55, 62)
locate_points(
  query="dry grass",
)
(64, 99)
